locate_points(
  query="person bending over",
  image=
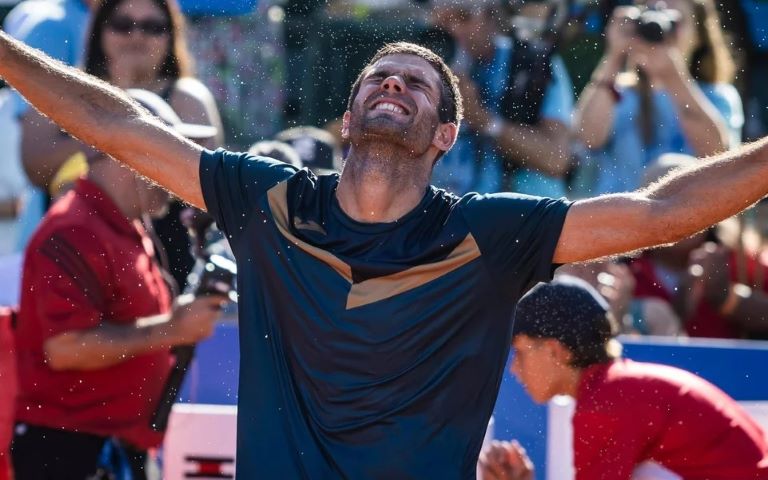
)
(627, 413)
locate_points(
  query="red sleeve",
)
(71, 278)
(607, 446)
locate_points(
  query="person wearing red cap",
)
(627, 413)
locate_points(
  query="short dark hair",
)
(570, 311)
(178, 62)
(450, 109)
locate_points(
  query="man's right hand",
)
(194, 319)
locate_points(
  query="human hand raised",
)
(620, 32)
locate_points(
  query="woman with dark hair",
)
(649, 97)
(132, 44)
(136, 44)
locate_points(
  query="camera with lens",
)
(214, 273)
(215, 270)
(655, 24)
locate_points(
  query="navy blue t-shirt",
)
(370, 350)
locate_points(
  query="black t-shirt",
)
(370, 350)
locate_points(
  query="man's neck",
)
(381, 185)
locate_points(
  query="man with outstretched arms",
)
(374, 309)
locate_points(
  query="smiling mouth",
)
(386, 106)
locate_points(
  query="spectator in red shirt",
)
(627, 413)
(8, 392)
(96, 323)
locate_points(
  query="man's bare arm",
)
(103, 116)
(674, 208)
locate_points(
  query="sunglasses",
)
(127, 25)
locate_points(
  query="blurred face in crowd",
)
(136, 40)
(397, 103)
(471, 26)
(541, 366)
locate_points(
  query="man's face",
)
(397, 102)
(538, 366)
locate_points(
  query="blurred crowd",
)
(563, 98)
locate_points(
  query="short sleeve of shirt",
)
(558, 99)
(517, 234)
(233, 183)
(71, 276)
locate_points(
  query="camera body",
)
(215, 270)
(214, 274)
(655, 24)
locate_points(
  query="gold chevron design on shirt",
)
(308, 225)
(277, 197)
(374, 289)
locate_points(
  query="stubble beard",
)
(385, 138)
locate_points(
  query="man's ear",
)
(445, 136)
(345, 125)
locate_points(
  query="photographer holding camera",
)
(518, 99)
(664, 85)
(96, 325)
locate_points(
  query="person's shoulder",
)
(725, 91)
(720, 88)
(75, 227)
(256, 174)
(624, 381)
(246, 159)
(607, 389)
(513, 209)
(505, 200)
